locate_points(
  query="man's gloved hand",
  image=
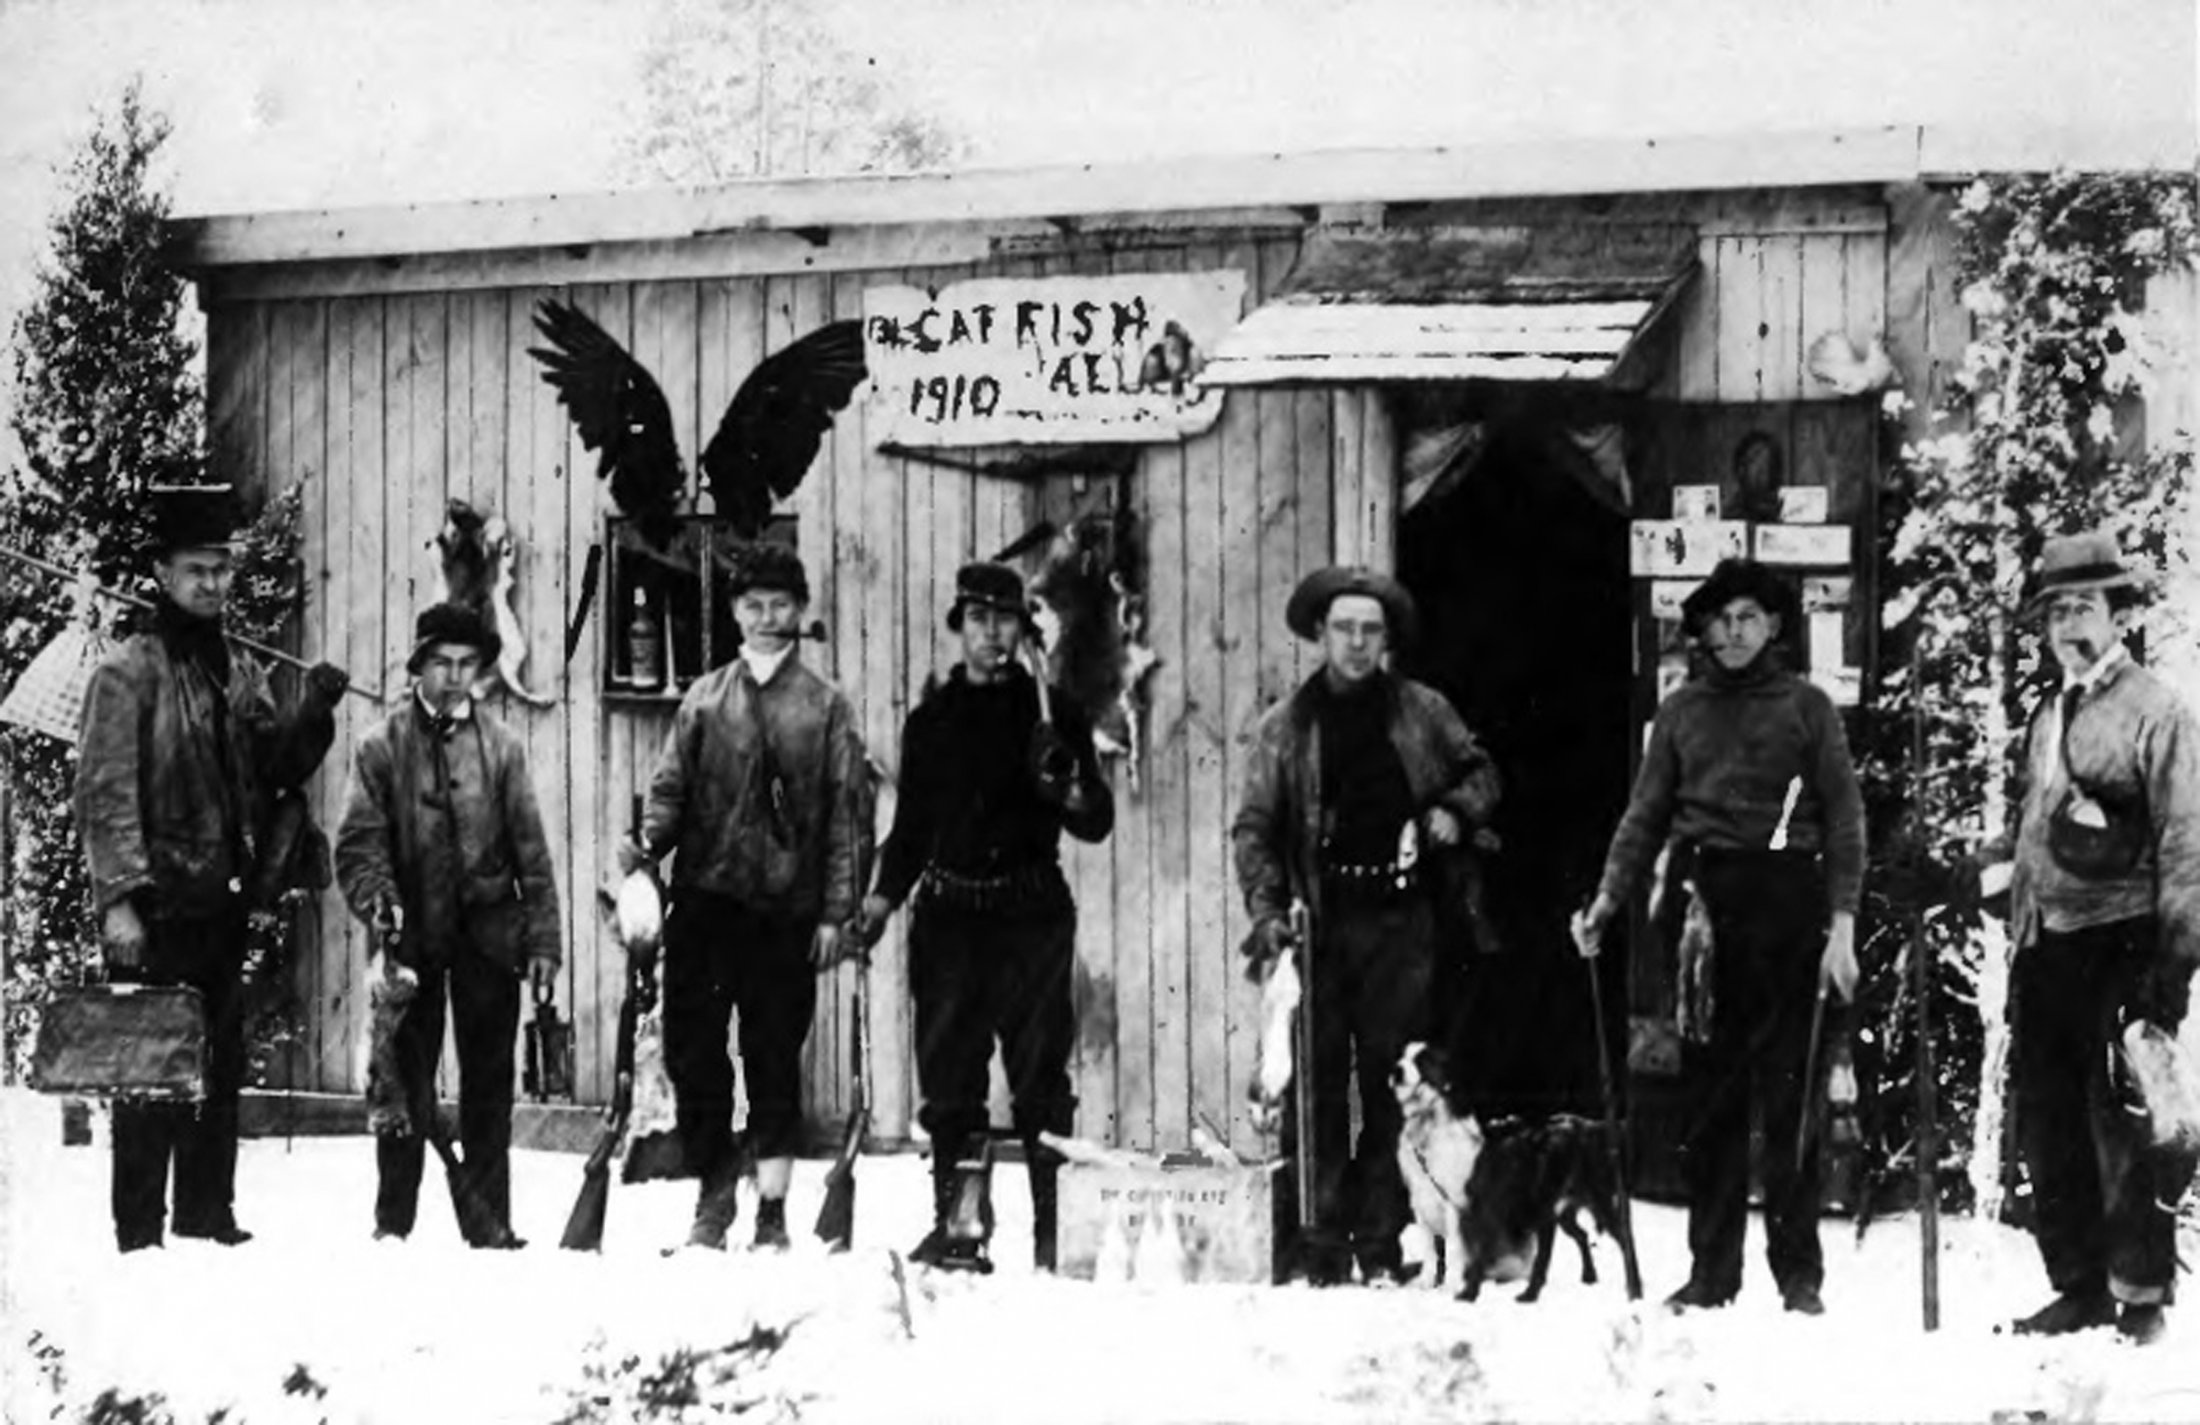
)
(1271, 939)
(327, 682)
(631, 856)
(2163, 994)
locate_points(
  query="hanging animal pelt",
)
(478, 553)
(1091, 579)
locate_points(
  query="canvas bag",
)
(2088, 837)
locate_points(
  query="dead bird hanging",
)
(764, 445)
(477, 555)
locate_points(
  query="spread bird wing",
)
(775, 422)
(620, 413)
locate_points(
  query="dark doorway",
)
(1513, 540)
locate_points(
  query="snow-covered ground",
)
(314, 1321)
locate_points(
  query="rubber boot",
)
(960, 1230)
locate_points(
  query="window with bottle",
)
(667, 610)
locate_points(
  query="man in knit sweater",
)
(1748, 775)
(985, 796)
(2100, 946)
(763, 791)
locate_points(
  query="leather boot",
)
(716, 1205)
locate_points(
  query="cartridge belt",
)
(1025, 888)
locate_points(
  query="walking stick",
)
(1921, 982)
(133, 601)
(1807, 1119)
(1612, 1145)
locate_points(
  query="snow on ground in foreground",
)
(427, 1331)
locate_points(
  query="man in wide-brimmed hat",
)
(2104, 910)
(181, 752)
(764, 791)
(1747, 774)
(1357, 787)
(986, 792)
(442, 853)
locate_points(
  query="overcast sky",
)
(313, 103)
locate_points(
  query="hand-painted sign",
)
(1032, 359)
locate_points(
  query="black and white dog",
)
(1497, 1196)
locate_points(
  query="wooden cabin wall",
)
(382, 407)
(1770, 282)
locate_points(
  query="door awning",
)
(1513, 303)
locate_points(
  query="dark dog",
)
(1530, 1182)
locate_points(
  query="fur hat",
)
(1310, 601)
(451, 623)
(192, 517)
(991, 586)
(2088, 560)
(1741, 579)
(769, 565)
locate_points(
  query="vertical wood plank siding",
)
(383, 406)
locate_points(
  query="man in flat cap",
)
(1747, 773)
(1355, 787)
(2104, 905)
(993, 770)
(180, 753)
(764, 792)
(442, 853)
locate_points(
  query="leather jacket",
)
(181, 751)
(1276, 836)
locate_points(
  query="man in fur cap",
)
(986, 794)
(442, 850)
(1357, 787)
(180, 750)
(763, 790)
(1748, 774)
(2104, 910)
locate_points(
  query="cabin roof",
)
(1069, 194)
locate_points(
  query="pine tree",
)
(107, 402)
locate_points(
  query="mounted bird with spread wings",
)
(764, 445)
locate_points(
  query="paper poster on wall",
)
(1694, 504)
(1032, 359)
(1827, 636)
(1844, 685)
(1802, 543)
(1825, 593)
(1667, 596)
(1803, 504)
(1667, 549)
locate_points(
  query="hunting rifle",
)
(836, 1217)
(1302, 1049)
(252, 645)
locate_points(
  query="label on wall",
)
(1034, 359)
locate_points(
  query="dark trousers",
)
(207, 955)
(1768, 923)
(1374, 967)
(722, 956)
(484, 999)
(2098, 1208)
(981, 976)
